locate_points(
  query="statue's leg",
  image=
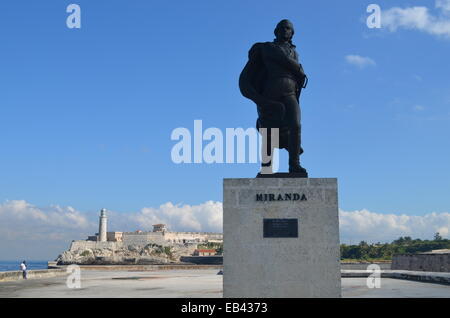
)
(293, 117)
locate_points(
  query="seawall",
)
(32, 274)
(143, 268)
(203, 260)
(363, 266)
(422, 262)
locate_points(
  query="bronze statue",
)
(273, 78)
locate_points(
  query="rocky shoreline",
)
(150, 254)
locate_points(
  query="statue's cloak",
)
(251, 84)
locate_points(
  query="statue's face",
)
(285, 31)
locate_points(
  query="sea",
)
(6, 266)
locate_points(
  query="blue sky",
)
(87, 114)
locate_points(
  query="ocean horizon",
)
(14, 265)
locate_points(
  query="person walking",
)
(23, 268)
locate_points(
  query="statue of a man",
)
(273, 79)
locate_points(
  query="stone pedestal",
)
(281, 238)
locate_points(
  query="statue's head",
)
(284, 30)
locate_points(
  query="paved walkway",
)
(189, 284)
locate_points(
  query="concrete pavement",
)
(190, 284)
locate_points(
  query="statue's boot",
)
(266, 165)
(266, 168)
(295, 151)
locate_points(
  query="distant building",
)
(159, 235)
(444, 251)
(93, 238)
(102, 230)
(200, 252)
(159, 228)
(219, 241)
(115, 236)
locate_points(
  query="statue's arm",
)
(270, 108)
(274, 54)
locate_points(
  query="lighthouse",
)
(102, 226)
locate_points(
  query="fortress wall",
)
(143, 239)
(199, 233)
(215, 236)
(192, 236)
(83, 245)
(179, 237)
(422, 262)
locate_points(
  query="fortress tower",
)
(102, 226)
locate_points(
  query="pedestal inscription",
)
(281, 238)
(280, 228)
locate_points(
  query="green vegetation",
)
(168, 251)
(403, 245)
(158, 249)
(86, 253)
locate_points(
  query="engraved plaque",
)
(281, 228)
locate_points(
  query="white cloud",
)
(44, 232)
(28, 231)
(444, 5)
(206, 217)
(360, 61)
(25, 215)
(37, 233)
(19, 218)
(419, 18)
(373, 227)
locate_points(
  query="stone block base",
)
(281, 238)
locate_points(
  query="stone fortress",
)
(158, 246)
(160, 236)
